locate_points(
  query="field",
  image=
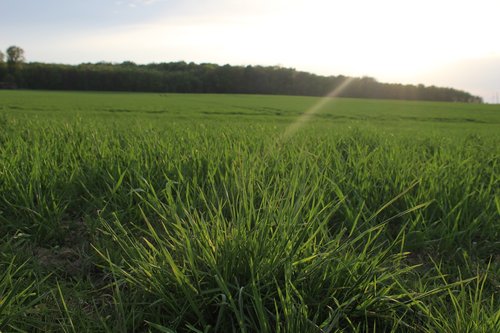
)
(241, 213)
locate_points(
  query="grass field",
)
(240, 213)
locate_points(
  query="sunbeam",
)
(306, 116)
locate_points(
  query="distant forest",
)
(182, 77)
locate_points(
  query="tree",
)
(208, 78)
(15, 58)
(15, 54)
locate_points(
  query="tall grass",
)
(129, 224)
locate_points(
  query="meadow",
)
(129, 212)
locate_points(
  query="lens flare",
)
(307, 115)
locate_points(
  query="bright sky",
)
(452, 43)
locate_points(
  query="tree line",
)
(183, 77)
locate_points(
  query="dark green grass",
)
(149, 212)
(254, 108)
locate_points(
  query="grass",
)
(194, 213)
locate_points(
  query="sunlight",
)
(389, 40)
(306, 116)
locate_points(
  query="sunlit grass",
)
(161, 222)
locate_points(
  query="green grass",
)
(197, 213)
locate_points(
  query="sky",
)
(452, 43)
